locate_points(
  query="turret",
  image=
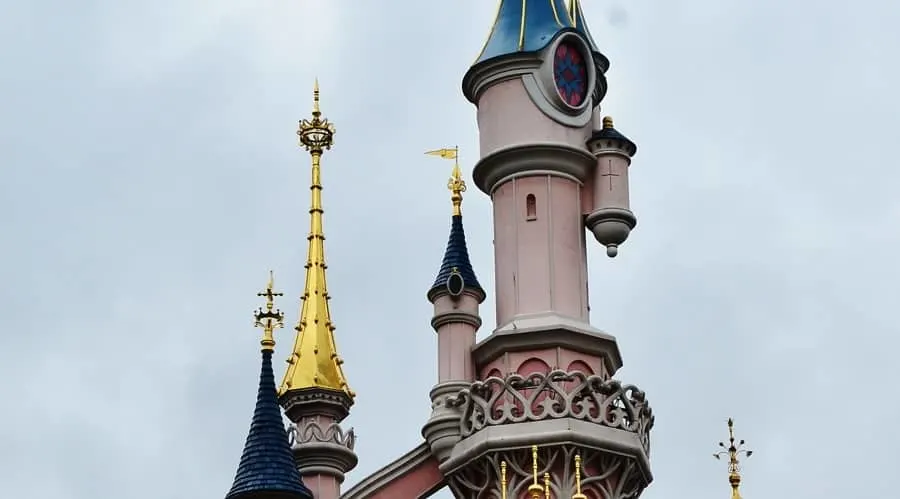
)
(314, 393)
(455, 296)
(611, 219)
(456, 293)
(267, 469)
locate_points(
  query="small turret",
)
(611, 219)
(267, 469)
(456, 296)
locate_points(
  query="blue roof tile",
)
(456, 257)
(267, 463)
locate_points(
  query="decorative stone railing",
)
(310, 431)
(557, 394)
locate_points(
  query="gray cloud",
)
(151, 178)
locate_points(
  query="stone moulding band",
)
(310, 431)
(557, 394)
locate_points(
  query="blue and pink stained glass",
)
(570, 74)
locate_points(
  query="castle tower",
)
(456, 296)
(314, 393)
(532, 411)
(733, 451)
(267, 469)
(554, 170)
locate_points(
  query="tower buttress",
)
(314, 393)
(267, 469)
(456, 296)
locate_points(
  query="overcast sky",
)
(151, 177)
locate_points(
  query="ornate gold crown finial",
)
(316, 134)
(607, 122)
(733, 451)
(268, 318)
(578, 494)
(456, 184)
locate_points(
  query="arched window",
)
(530, 208)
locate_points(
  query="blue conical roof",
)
(267, 464)
(525, 26)
(456, 257)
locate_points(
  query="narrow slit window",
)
(530, 208)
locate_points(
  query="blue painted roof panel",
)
(525, 26)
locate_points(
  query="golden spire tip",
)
(607, 122)
(733, 451)
(268, 318)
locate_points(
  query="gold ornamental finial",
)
(268, 318)
(578, 494)
(733, 450)
(607, 122)
(535, 488)
(314, 361)
(456, 184)
(546, 485)
(503, 482)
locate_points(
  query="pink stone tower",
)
(532, 411)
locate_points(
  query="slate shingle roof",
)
(267, 464)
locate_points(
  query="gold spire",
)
(503, 480)
(607, 122)
(535, 488)
(314, 362)
(578, 494)
(456, 184)
(733, 450)
(269, 318)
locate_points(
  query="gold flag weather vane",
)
(456, 184)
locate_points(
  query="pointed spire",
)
(524, 26)
(456, 268)
(733, 451)
(314, 361)
(267, 465)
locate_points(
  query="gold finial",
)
(456, 184)
(535, 488)
(546, 485)
(503, 480)
(578, 494)
(607, 122)
(733, 450)
(314, 362)
(270, 317)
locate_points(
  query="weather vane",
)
(456, 184)
(269, 318)
(733, 451)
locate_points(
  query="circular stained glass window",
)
(570, 74)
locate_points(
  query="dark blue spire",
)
(525, 26)
(267, 466)
(456, 261)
